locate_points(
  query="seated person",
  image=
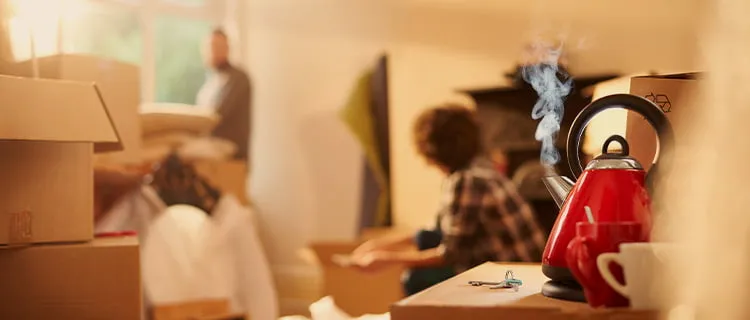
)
(482, 216)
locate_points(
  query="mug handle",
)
(578, 247)
(602, 263)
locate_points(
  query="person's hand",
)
(367, 247)
(374, 261)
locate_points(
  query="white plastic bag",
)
(326, 309)
(175, 260)
(135, 211)
(187, 255)
(236, 232)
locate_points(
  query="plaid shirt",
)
(485, 219)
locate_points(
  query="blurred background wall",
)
(305, 55)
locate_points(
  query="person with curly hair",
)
(482, 216)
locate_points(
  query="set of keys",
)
(510, 282)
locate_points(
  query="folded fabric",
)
(207, 148)
(173, 138)
(188, 147)
(167, 117)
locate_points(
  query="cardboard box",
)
(204, 309)
(120, 86)
(95, 280)
(671, 93)
(354, 291)
(48, 129)
(229, 176)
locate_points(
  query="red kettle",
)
(613, 185)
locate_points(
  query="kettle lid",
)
(615, 160)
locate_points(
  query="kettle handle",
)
(653, 114)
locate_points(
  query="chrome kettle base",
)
(569, 291)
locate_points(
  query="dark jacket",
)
(234, 107)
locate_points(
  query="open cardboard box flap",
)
(355, 292)
(57, 111)
(322, 252)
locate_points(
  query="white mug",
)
(650, 273)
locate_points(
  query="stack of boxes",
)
(51, 265)
(81, 111)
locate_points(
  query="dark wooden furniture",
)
(505, 117)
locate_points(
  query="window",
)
(163, 37)
(105, 31)
(179, 64)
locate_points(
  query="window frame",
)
(213, 11)
(226, 13)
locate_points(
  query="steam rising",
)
(552, 85)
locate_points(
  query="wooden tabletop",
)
(456, 299)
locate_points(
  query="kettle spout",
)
(559, 187)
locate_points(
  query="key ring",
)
(510, 282)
